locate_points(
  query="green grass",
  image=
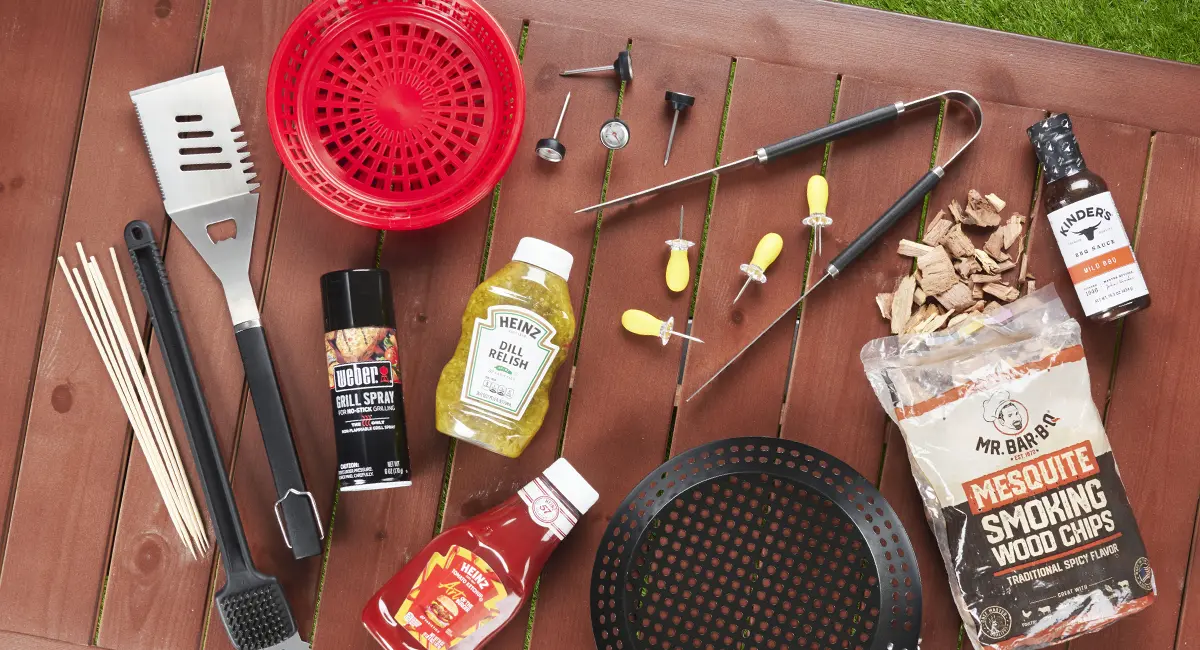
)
(1167, 29)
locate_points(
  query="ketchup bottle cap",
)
(566, 480)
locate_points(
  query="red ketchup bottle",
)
(470, 581)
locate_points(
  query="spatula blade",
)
(192, 130)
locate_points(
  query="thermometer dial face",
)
(546, 153)
(614, 134)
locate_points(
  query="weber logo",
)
(356, 376)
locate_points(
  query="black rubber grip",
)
(911, 199)
(302, 529)
(193, 410)
(831, 132)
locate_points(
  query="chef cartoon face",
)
(1008, 415)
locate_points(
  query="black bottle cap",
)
(357, 298)
(1056, 147)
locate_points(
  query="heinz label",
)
(511, 352)
(455, 597)
(1098, 255)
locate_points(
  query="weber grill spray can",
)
(364, 382)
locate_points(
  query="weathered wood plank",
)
(828, 394)
(156, 596)
(769, 103)
(39, 145)
(377, 532)
(624, 387)
(1000, 161)
(309, 242)
(1152, 399)
(903, 50)
(1116, 152)
(60, 529)
(536, 200)
(15, 641)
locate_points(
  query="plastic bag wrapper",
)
(1014, 468)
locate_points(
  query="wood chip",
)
(936, 323)
(937, 271)
(884, 302)
(902, 303)
(991, 307)
(937, 229)
(957, 297)
(979, 305)
(919, 296)
(1006, 265)
(1002, 291)
(919, 319)
(997, 202)
(976, 292)
(1030, 286)
(956, 210)
(957, 243)
(1012, 230)
(979, 211)
(980, 278)
(986, 262)
(909, 248)
(995, 245)
(967, 267)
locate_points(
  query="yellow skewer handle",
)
(639, 322)
(818, 194)
(678, 273)
(767, 251)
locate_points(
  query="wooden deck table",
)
(89, 556)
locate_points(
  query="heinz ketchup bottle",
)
(470, 581)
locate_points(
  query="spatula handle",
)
(193, 410)
(295, 507)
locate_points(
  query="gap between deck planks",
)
(67, 491)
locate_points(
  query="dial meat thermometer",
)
(828, 133)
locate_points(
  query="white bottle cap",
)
(544, 255)
(565, 479)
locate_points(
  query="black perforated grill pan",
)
(755, 543)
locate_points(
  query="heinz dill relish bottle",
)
(516, 329)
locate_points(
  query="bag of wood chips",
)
(1019, 482)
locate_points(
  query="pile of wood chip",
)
(954, 279)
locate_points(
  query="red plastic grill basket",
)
(396, 114)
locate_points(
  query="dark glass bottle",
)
(1086, 225)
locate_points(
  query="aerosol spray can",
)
(364, 382)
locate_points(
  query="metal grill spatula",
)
(191, 128)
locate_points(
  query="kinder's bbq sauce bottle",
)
(1086, 226)
(361, 354)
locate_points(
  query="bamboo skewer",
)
(176, 462)
(147, 417)
(159, 426)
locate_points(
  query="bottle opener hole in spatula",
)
(191, 129)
